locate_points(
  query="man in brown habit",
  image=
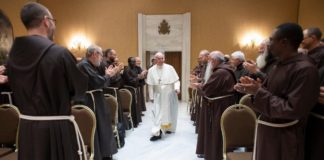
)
(198, 74)
(315, 124)
(105, 145)
(285, 98)
(218, 94)
(44, 78)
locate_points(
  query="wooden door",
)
(174, 59)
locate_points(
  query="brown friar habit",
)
(131, 79)
(315, 125)
(105, 144)
(288, 94)
(220, 83)
(141, 99)
(200, 74)
(44, 78)
(198, 71)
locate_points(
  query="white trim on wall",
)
(185, 48)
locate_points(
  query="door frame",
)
(185, 52)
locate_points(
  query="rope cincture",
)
(219, 97)
(92, 97)
(79, 138)
(275, 125)
(317, 115)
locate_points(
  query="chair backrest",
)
(125, 100)
(246, 100)
(9, 124)
(86, 121)
(112, 102)
(111, 91)
(238, 125)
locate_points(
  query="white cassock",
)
(162, 82)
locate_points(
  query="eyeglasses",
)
(54, 20)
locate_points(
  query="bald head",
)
(203, 53)
(203, 56)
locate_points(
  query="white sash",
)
(275, 125)
(317, 115)
(219, 97)
(92, 97)
(9, 96)
(55, 118)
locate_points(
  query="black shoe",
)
(107, 158)
(200, 156)
(154, 138)
(168, 132)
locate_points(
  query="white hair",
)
(217, 55)
(92, 49)
(208, 71)
(159, 54)
(239, 55)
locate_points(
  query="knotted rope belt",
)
(9, 96)
(92, 97)
(211, 110)
(317, 115)
(81, 148)
(275, 125)
(219, 97)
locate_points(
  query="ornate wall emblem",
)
(164, 27)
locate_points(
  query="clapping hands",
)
(248, 85)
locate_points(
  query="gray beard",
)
(261, 60)
(208, 72)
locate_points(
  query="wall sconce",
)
(78, 45)
(251, 40)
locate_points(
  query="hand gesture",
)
(248, 85)
(3, 79)
(2, 69)
(193, 79)
(119, 67)
(195, 85)
(111, 71)
(321, 96)
(251, 66)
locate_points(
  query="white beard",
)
(261, 59)
(208, 71)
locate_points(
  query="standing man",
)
(131, 80)
(142, 76)
(110, 59)
(105, 145)
(285, 99)
(315, 124)
(237, 60)
(44, 79)
(199, 76)
(218, 94)
(164, 85)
